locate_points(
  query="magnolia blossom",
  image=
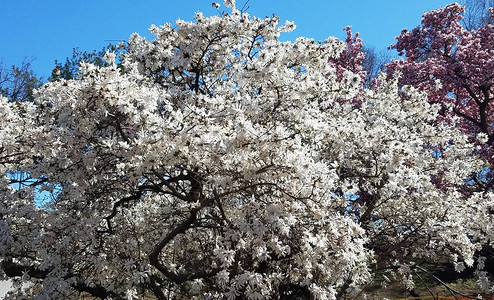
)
(219, 162)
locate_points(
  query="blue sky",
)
(49, 29)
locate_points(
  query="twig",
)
(426, 286)
(450, 289)
(242, 10)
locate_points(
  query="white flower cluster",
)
(220, 161)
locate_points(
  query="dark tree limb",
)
(180, 229)
(13, 269)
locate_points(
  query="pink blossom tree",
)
(455, 66)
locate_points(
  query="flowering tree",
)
(219, 162)
(455, 67)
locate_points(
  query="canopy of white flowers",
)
(218, 162)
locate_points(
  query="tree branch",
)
(12, 269)
(180, 229)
